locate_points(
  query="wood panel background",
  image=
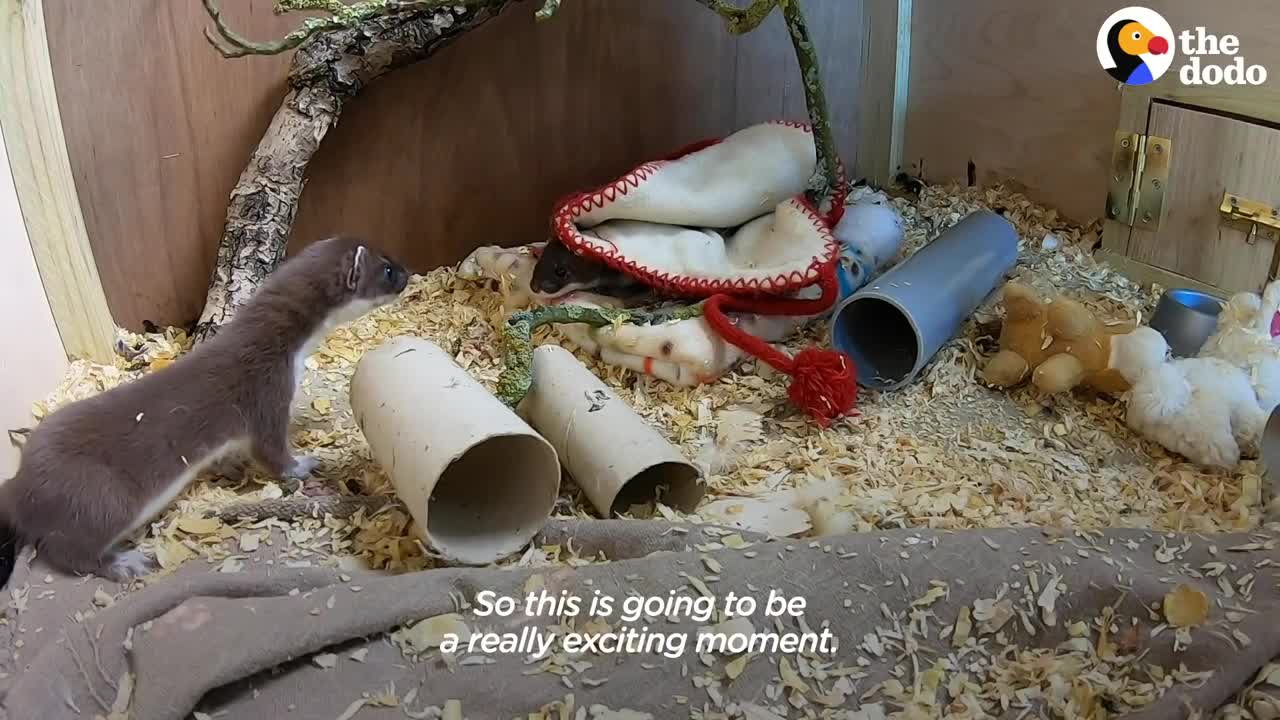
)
(1016, 88)
(469, 148)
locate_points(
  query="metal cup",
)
(1186, 318)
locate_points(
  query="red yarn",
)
(839, 194)
(836, 212)
(823, 382)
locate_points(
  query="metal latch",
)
(1252, 212)
(1139, 179)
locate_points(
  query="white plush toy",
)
(870, 234)
(1201, 408)
(1244, 339)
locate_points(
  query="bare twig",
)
(341, 15)
(548, 9)
(741, 20)
(89, 682)
(97, 659)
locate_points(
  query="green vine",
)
(517, 336)
(826, 173)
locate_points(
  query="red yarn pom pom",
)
(824, 383)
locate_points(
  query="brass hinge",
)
(1139, 179)
(1253, 212)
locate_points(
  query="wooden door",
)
(1212, 154)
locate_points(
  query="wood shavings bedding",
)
(945, 452)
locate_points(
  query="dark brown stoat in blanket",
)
(560, 271)
(97, 470)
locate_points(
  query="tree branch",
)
(327, 71)
(741, 20)
(341, 16)
(826, 173)
(548, 9)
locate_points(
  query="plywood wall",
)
(470, 148)
(1015, 87)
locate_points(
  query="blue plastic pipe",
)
(893, 327)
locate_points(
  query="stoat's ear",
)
(357, 267)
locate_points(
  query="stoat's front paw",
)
(126, 565)
(301, 468)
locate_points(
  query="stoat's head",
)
(370, 275)
(359, 273)
(352, 276)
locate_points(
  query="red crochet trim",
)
(569, 209)
(705, 287)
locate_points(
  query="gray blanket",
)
(1011, 623)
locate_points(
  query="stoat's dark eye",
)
(562, 272)
(387, 272)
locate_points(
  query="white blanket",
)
(727, 218)
(689, 352)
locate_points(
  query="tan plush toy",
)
(1060, 345)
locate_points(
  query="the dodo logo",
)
(1136, 45)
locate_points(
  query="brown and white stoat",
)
(97, 470)
(560, 271)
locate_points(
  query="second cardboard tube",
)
(612, 453)
(478, 480)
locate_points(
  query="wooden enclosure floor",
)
(945, 452)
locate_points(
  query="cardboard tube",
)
(477, 479)
(616, 457)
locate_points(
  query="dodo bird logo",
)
(1135, 45)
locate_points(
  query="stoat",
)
(97, 470)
